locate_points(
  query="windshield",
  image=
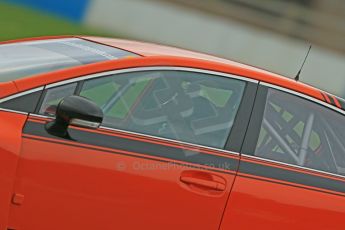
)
(18, 60)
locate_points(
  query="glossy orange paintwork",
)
(10, 135)
(7, 88)
(61, 184)
(70, 185)
(257, 202)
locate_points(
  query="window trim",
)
(249, 145)
(157, 68)
(293, 166)
(251, 87)
(255, 122)
(14, 111)
(240, 127)
(13, 96)
(171, 140)
(154, 137)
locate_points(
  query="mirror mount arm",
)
(58, 127)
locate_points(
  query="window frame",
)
(234, 140)
(11, 104)
(256, 120)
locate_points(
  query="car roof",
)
(155, 54)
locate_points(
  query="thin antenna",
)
(300, 70)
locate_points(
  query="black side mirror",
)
(75, 110)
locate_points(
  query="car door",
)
(292, 170)
(13, 114)
(165, 156)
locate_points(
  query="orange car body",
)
(115, 179)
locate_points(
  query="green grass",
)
(20, 22)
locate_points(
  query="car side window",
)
(187, 106)
(300, 132)
(53, 96)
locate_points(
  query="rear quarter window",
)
(301, 132)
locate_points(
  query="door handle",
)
(214, 185)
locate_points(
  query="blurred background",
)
(270, 34)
